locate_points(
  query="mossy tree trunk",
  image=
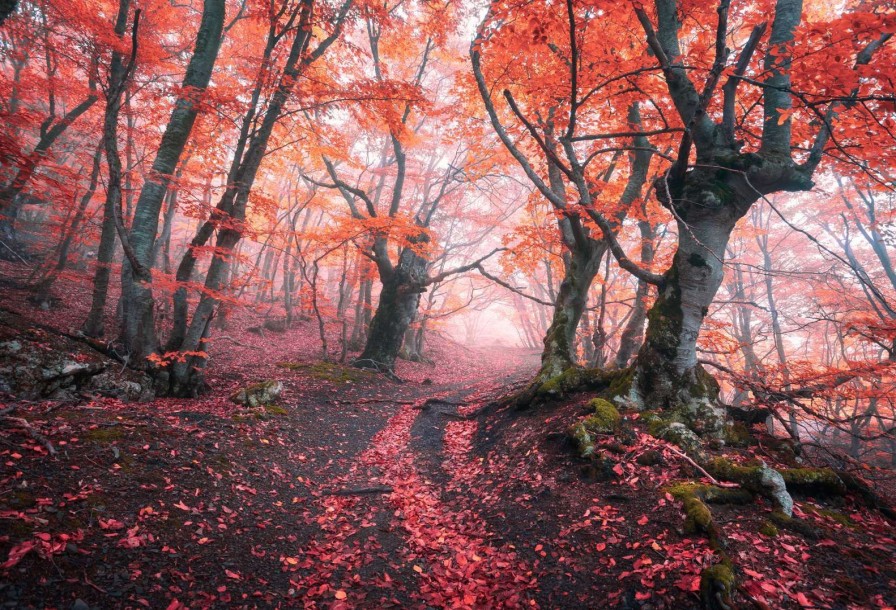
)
(559, 351)
(633, 333)
(707, 202)
(397, 307)
(138, 328)
(119, 73)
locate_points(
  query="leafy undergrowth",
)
(353, 491)
(611, 530)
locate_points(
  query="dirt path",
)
(335, 501)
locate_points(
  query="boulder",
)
(39, 362)
(258, 394)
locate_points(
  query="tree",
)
(29, 35)
(408, 189)
(138, 330)
(708, 197)
(182, 372)
(571, 45)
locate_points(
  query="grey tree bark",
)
(187, 374)
(119, 72)
(138, 330)
(709, 197)
(43, 287)
(633, 334)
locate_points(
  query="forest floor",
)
(354, 491)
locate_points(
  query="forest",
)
(459, 304)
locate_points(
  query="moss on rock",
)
(738, 435)
(679, 434)
(717, 582)
(814, 481)
(606, 417)
(258, 394)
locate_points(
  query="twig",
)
(235, 342)
(712, 479)
(382, 489)
(33, 433)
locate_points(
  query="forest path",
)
(332, 499)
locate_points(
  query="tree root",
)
(23, 423)
(571, 381)
(718, 581)
(870, 497)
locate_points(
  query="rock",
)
(257, 394)
(776, 488)
(38, 362)
(127, 385)
(649, 458)
(704, 418)
(679, 434)
(80, 604)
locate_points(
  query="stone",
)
(38, 362)
(776, 488)
(258, 394)
(679, 434)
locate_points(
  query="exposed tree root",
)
(571, 381)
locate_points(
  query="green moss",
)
(561, 384)
(685, 438)
(582, 439)
(276, 410)
(749, 477)
(104, 435)
(711, 494)
(606, 417)
(738, 435)
(329, 371)
(814, 481)
(834, 515)
(698, 516)
(793, 524)
(768, 529)
(619, 382)
(717, 582)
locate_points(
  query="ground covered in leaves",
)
(354, 491)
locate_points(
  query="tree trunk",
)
(559, 341)
(633, 334)
(707, 202)
(138, 324)
(187, 372)
(395, 311)
(118, 74)
(43, 287)
(360, 324)
(93, 326)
